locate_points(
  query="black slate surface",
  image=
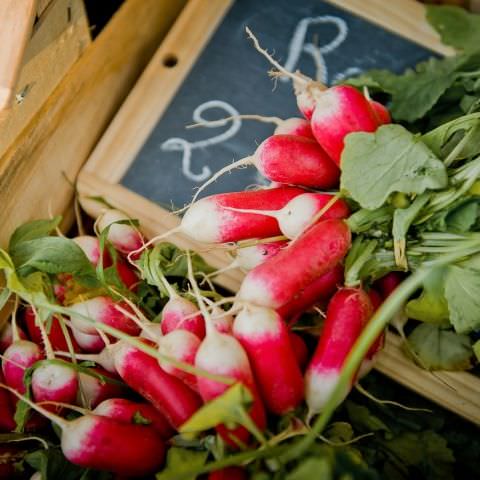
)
(230, 70)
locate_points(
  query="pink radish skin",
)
(348, 312)
(7, 422)
(88, 343)
(340, 110)
(55, 335)
(295, 126)
(54, 382)
(275, 282)
(176, 314)
(102, 309)
(222, 354)
(127, 274)
(168, 394)
(388, 283)
(6, 337)
(181, 345)
(91, 248)
(319, 290)
(264, 336)
(298, 213)
(300, 349)
(381, 112)
(303, 93)
(19, 356)
(125, 238)
(95, 391)
(295, 160)
(207, 220)
(125, 410)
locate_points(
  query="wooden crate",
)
(117, 149)
(60, 36)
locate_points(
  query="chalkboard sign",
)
(230, 77)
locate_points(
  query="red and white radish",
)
(348, 312)
(181, 345)
(91, 247)
(88, 343)
(124, 237)
(288, 159)
(265, 338)
(6, 336)
(340, 110)
(104, 310)
(101, 443)
(276, 281)
(299, 212)
(209, 221)
(221, 354)
(19, 356)
(381, 112)
(125, 410)
(165, 392)
(319, 290)
(104, 358)
(55, 382)
(250, 257)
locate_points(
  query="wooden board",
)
(59, 38)
(115, 153)
(16, 20)
(62, 134)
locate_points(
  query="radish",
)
(99, 442)
(264, 336)
(19, 356)
(125, 410)
(221, 354)
(289, 159)
(88, 343)
(166, 393)
(181, 313)
(6, 337)
(348, 312)
(54, 382)
(123, 236)
(93, 390)
(319, 290)
(181, 345)
(340, 110)
(208, 220)
(276, 281)
(299, 212)
(55, 335)
(102, 309)
(91, 248)
(7, 422)
(299, 348)
(381, 112)
(127, 274)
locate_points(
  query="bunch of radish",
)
(290, 239)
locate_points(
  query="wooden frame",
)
(135, 120)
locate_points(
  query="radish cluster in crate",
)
(256, 348)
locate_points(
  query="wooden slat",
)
(159, 83)
(456, 391)
(404, 17)
(62, 134)
(16, 20)
(59, 38)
